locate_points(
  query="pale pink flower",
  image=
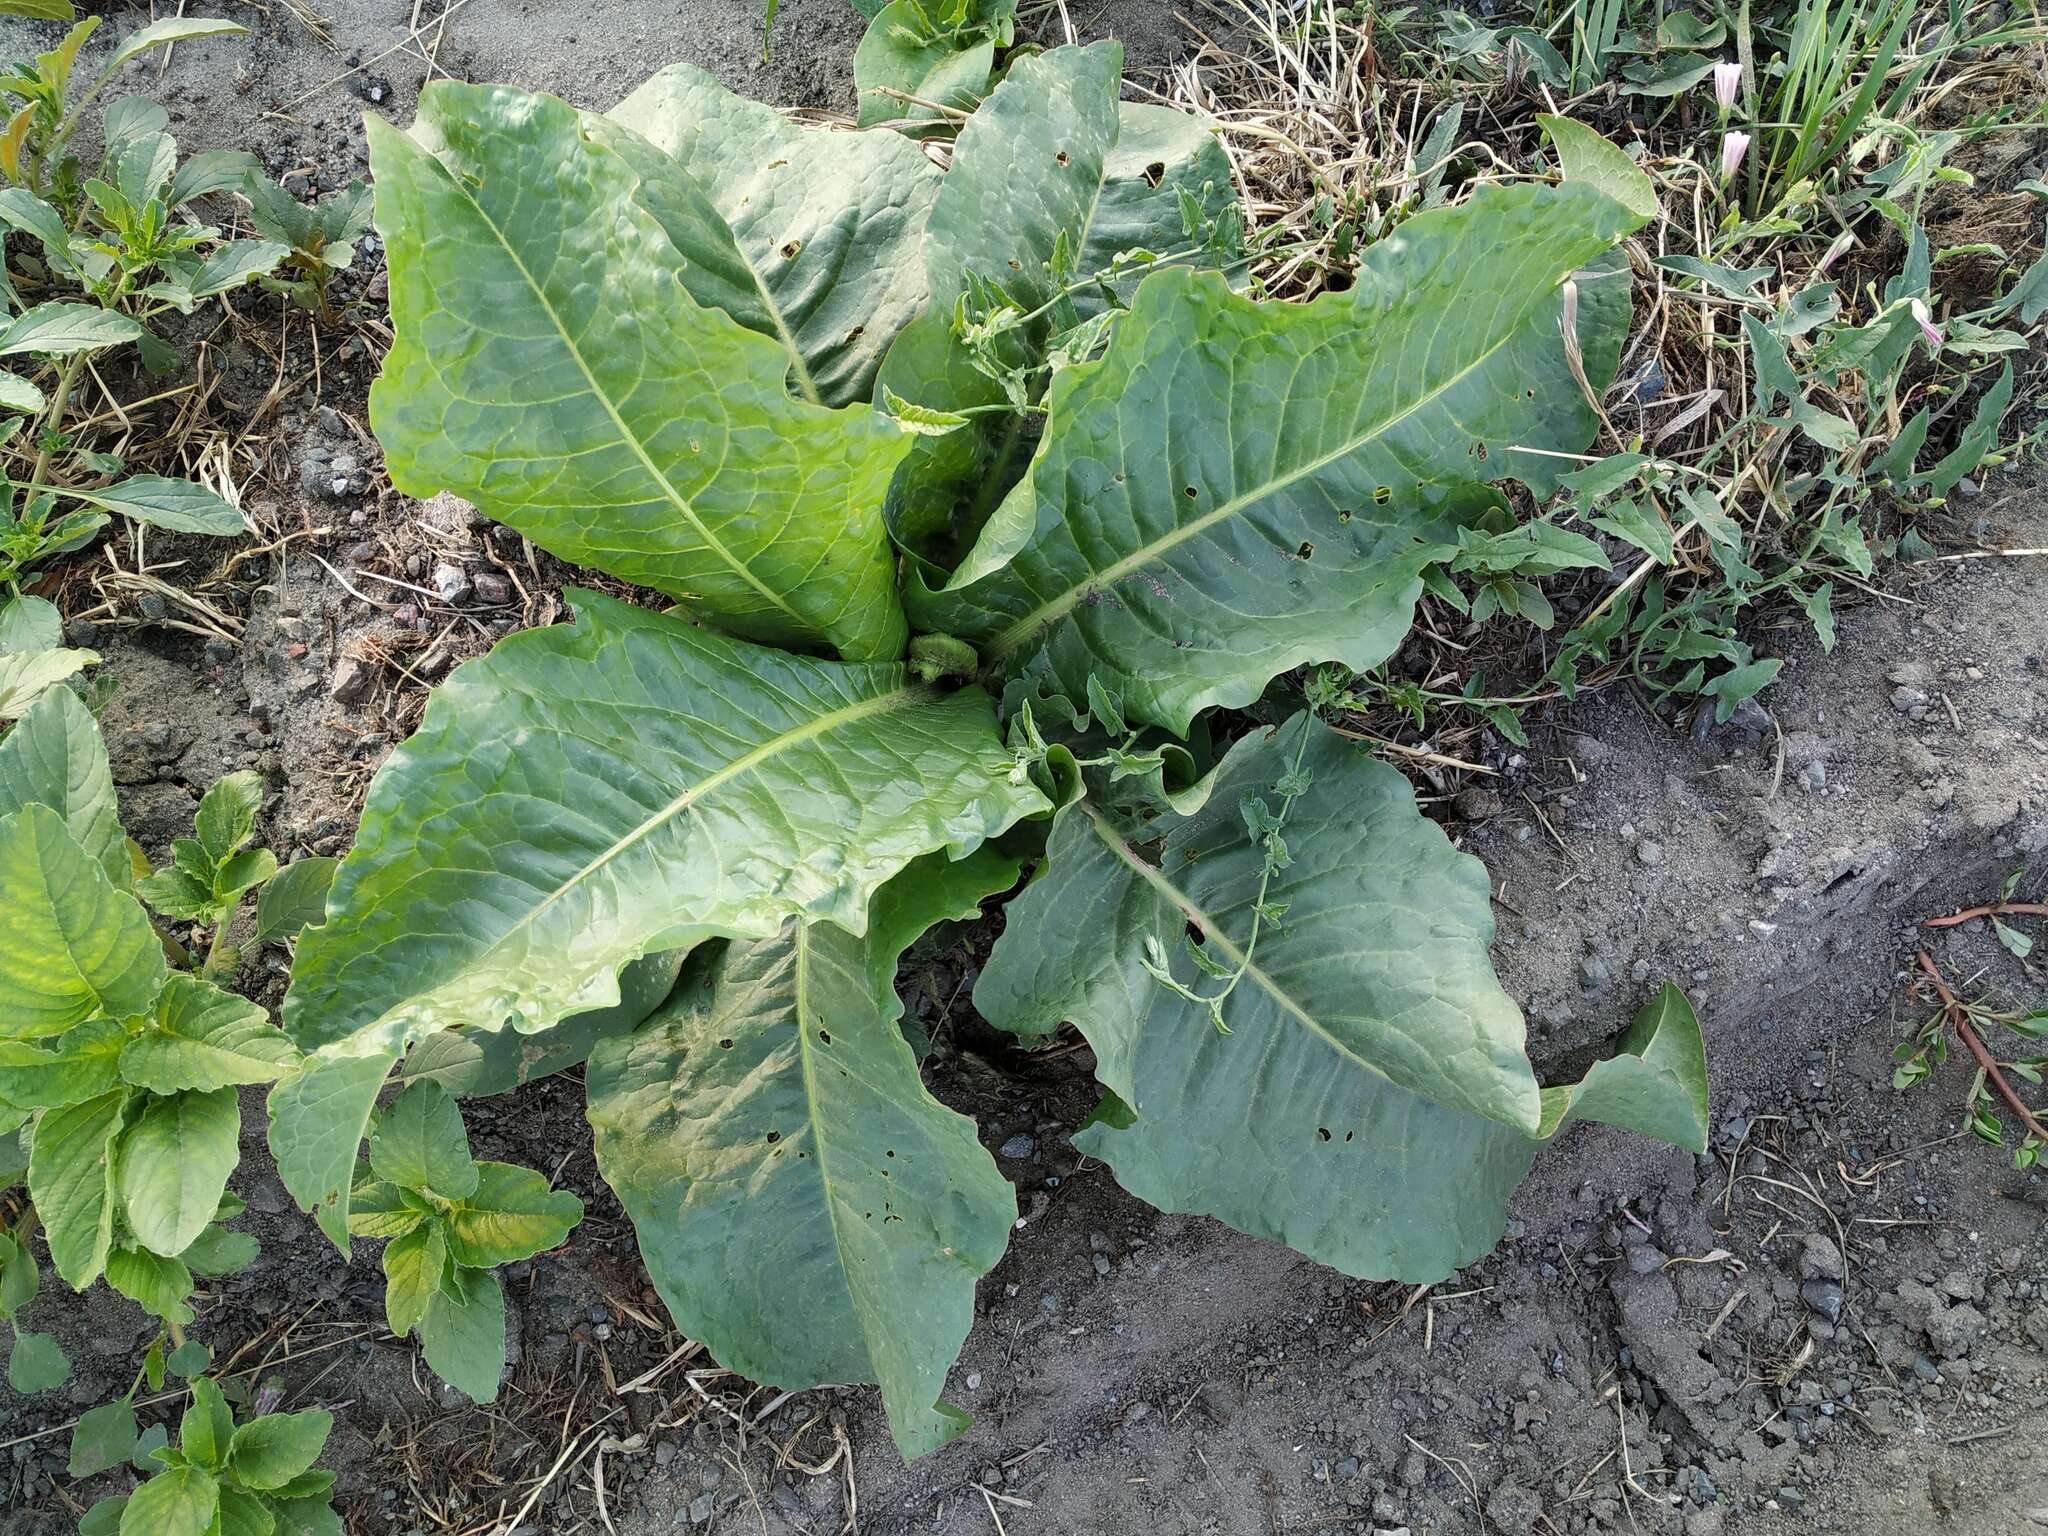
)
(1727, 81)
(1926, 322)
(1733, 147)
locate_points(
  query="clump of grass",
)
(1835, 308)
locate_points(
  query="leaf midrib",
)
(802, 987)
(626, 434)
(810, 730)
(1212, 933)
(1007, 640)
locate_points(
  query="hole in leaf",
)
(1382, 495)
(725, 1045)
(1191, 492)
(773, 1137)
(1062, 159)
(1344, 516)
(824, 1037)
(1479, 452)
(790, 248)
(892, 1152)
(1306, 552)
(855, 334)
(1323, 1131)
(1155, 173)
(1349, 1134)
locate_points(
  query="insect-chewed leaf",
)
(818, 234)
(1374, 1064)
(591, 793)
(551, 366)
(72, 946)
(770, 1137)
(55, 757)
(1236, 488)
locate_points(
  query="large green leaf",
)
(174, 1164)
(591, 793)
(769, 1135)
(1379, 1104)
(828, 226)
(71, 1180)
(71, 945)
(551, 366)
(203, 1038)
(55, 757)
(1237, 488)
(476, 1063)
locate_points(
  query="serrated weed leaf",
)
(270, 1451)
(511, 1214)
(55, 757)
(72, 945)
(462, 1334)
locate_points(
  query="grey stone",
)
(493, 589)
(1017, 1149)
(452, 582)
(1825, 1297)
(1820, 1259)
(1649, 853)
(352, 679)
(702, 1508)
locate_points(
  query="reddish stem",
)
(1958, 1016)
(1994, 909)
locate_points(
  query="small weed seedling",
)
(451, 1221)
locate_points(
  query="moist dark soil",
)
(1836, 1320)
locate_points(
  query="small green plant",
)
(120, 1055)
(321, 239)
(97, 255)
(1992, 1099)
(451, 1221)
(228, 1472)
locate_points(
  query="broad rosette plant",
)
(901, 443)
